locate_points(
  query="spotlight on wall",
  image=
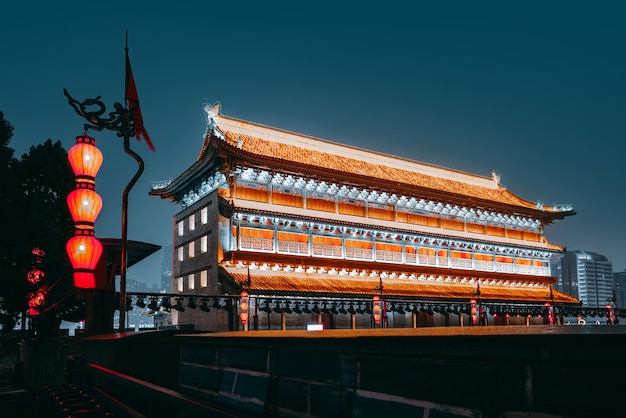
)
(333, 309)
(140, 302)
(154, 304)
(204, 307)
(179, 305)
(297, 309)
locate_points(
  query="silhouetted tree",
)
(34, 215)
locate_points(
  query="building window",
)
(257, 239)
(180, 227)
(192, 249)
(192, 222)
(179, 284)
(180, 254)
(289, 242)
(359, 249)
(191, 281)
(204, 244)
(204, 278)
(204, 215)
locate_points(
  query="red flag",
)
(133, 106)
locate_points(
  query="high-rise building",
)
(585, 275)
(166, 270)
(619, 285)
(310, 226)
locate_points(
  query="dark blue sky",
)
(535, 91)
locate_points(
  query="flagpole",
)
(127, 150)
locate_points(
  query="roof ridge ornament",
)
(495, 177)
(211, 125)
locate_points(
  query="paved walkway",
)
(15, 402)
(7, 372)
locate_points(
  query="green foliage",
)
(34, 214)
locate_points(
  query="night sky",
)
(535, 91)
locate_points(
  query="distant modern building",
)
(619, 285)
(585, 275)
(166, 270)
(314, 230)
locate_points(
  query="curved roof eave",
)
(525, 207)
(187, 180)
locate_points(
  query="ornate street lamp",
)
(475, 307)
(126, 120)
(377, 308)
(243, 305)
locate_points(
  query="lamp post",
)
(243, 304)
(126, 121)
(378, 305)
(475, 307)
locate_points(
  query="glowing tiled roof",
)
(343, 163)
(255, 140)
(272, 282)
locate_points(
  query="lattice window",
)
(294, 243)
(327, 246)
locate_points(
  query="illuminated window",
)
(179, 284)
(192, 249)
(192, 222)
(181, 230)
(204, 278)
(180, 254)
(191, 281)
(204, 215)
(203, 244)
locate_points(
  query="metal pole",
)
(123, 268)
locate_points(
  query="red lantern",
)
(85, 205)
(85, 159)
(243, 305)
(377, 309)
(84, 252)
(35, 303)
(474, 312)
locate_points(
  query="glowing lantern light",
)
(35, 302)
(473, 312)
(84, 252)
(609, 314)
(85, 206)
(85, 159)
(243, 305)
(377, 309)
(34, 276)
